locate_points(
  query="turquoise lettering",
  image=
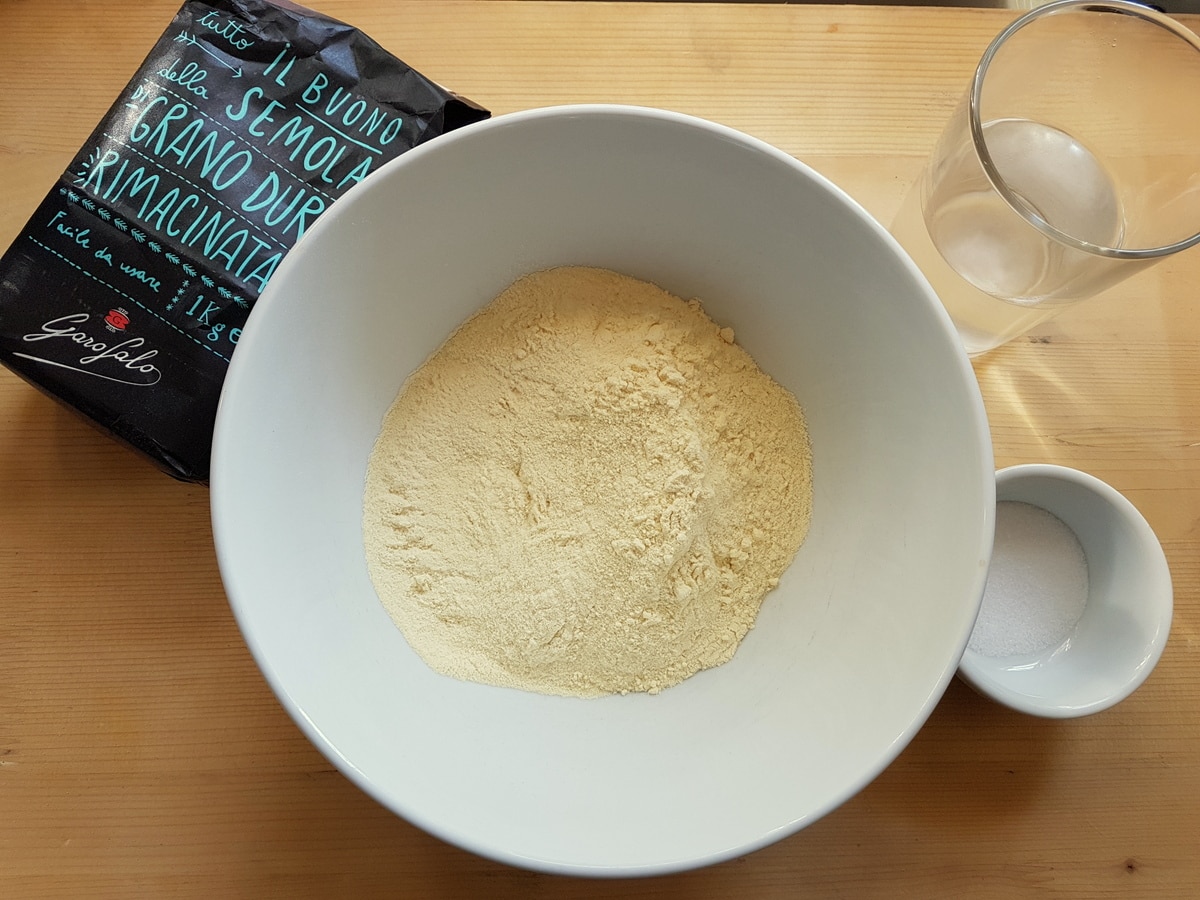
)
(357, 174)
(240, 113)
(264, 270)
(95, 174)
(264, 116)
(312, 93)
(157, 215)
(139, 129)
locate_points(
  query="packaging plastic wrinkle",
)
(126, 292)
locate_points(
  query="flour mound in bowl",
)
(588, 489)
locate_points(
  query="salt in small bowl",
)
(1121, 633)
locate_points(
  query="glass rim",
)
(975, 99)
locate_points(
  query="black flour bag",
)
(125, 294)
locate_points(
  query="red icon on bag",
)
(116, 320)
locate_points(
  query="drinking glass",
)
(1071, 163)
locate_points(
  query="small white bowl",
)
(1123, 629)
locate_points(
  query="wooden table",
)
(141, 752)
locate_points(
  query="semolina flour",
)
(588, 489)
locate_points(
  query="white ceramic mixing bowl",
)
(851, 651)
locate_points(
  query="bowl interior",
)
(1124, 626)
(850, 652)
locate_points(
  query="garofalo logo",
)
(78, 350)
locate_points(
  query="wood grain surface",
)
(141, 752)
